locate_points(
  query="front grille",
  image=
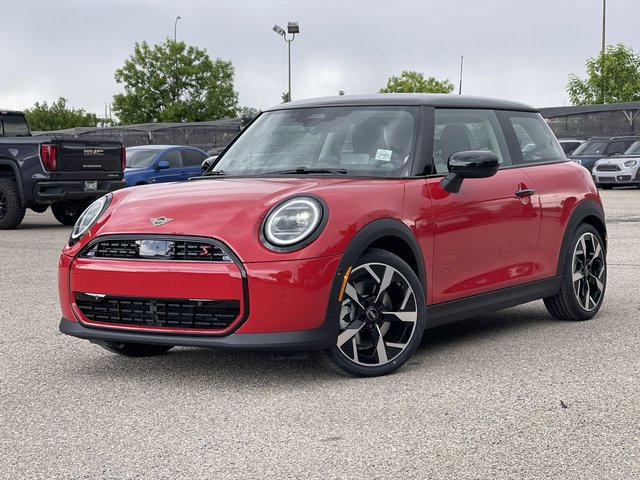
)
(608, 168)
(159, 312)
(158, 249)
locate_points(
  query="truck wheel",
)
(11, 210)
(39, 207)
(67, 213)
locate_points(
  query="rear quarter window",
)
(536, 141)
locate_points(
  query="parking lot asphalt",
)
(514, 394)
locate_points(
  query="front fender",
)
(367, 236)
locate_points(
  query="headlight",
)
(293, 224)
(88, 218)
(630, 163)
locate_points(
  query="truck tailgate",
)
(80, 155)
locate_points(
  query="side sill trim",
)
(456, 310)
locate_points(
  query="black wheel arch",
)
(7, 165)
(588, 211)
(387, 234)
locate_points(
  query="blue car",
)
(162, 163)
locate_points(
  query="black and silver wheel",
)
(135, 349)
(67, 213)
(584, 278)
(382, 317)
(11, 210)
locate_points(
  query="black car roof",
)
(617, 137)
(432, 100)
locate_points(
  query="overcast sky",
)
(513, 49)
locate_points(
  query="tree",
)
(57, 116)
(414, 82)
(248, 112)
(612, 77)
(173, 82)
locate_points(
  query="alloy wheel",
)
(378, 315)
(588, 271)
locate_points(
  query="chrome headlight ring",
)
(293, 223)
(89, 217)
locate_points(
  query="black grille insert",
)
(158, 249)
(159, 312)
(608, 168)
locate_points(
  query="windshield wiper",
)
(306, 170)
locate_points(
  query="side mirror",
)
(163, 165)
(470, 164)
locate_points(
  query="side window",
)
(173, 157)
(192, 158)
(616, 147)
(462, 130)
(536, 140)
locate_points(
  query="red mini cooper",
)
(344, 226)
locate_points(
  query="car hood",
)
(232, 209)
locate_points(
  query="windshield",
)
(140, 158)
(634, 149)
(591, 148)
(358, 141)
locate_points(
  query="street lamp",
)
(175, 26)
(292, 29)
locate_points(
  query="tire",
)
(382, 317)
(67, 213)
(39, 207)
(584, 277)
(11, 210)
(136, 349)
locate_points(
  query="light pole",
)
(175, 31)
(292, 29)
(602, 50)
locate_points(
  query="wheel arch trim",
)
(587, 211)
(365, 238)
(12, 164)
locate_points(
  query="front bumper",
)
(284, 305)
(319, 338)
(58, 190)
(616, 178)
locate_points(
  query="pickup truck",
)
(63, 172)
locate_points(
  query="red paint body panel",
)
(231, 210)
(289, 296)
(220, 281)
(63, 287)
(485, 237)
(562, 187)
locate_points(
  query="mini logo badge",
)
(159, 221)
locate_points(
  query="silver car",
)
(619, 171)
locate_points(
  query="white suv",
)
(620, 170)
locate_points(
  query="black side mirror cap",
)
(469, 164)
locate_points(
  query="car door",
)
(557, 186)
(175, 172)
(485, 235)
(192, 162)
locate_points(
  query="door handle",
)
(525, 192)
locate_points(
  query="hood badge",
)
(159, 221)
